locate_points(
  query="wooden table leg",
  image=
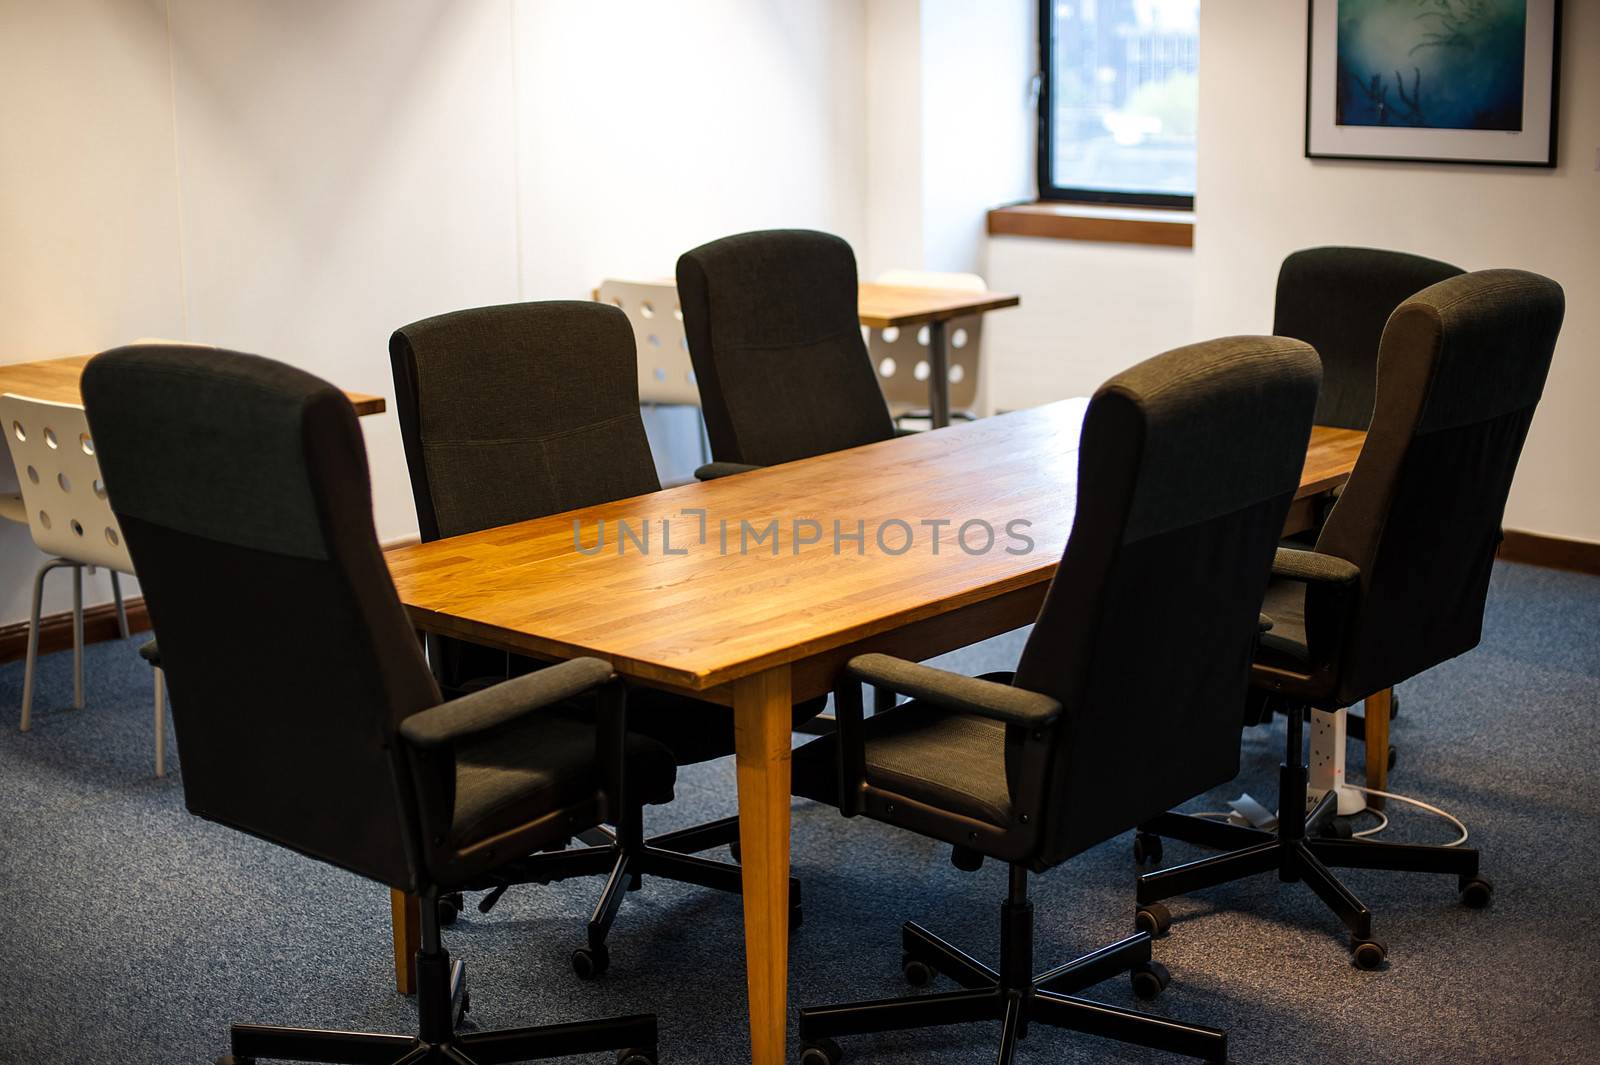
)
(405, 911)
(762, 713)
(1375, 709)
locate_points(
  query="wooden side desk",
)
(57, 380)
(758, 630)
(901, 306)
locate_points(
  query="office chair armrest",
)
(490, 708)
(1263, 623)
(1310, 567)
(713, 470)
(955, 691)
(901, 430)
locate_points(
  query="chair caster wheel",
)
(590, 963)
(1368, 954)
(917, 973)
(450, 906)
(464, 1008)
(797, 917)
(1337, 828)
(637, 1056)
(1476, 891)
(1154, 918)
(822, 1052)
(1149, 979)
(736, 852)
(1394, 756)
(1146, 848)
(966, 859)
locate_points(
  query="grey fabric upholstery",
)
(1338, 301)
(517, 412)
(302, 750)
(776, 343)
(1460, 372)
(545, 759)
(973, 695)
(492, 707)
(1146, 633)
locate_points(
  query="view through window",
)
(1119, 100)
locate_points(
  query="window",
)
(1118, 100)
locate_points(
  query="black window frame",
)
(1048, 189)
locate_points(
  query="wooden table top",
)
(56, 380)
(883, 306)
(698, 618)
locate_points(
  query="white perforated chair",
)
(901, 355)
(64, 504)
(666, 375)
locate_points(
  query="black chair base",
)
(442, 1001)
(1297, 851)
(624, 858)
(1014, 996)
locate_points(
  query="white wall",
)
(299, 178)
(1260, 199)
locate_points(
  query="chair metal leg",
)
(161, 722)
(1129, 1026)
(1395, 857)
(943, 957)
(559, 1040)
(1208, 872)
(605, 910)
(1101, 965)
(699, 838)
(30, 668)
(316, 1044)
(1205, 831)
(1340, 899)
(1012, 1029)
(122, 611)
(900, 1014)
(77, 637)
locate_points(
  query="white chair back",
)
(62, 488)
(901, 355)
(666, 376)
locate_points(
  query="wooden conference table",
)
(57, 380)
(760, 630)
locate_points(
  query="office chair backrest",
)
(1462, 367)
(1337, 300)
(901, 355)
(775, 337)
(514, 412)
(1187, 466)
(62, 490)
(511, 413)
(666, 376)
(241, 488)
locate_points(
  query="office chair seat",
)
(953, 761)
(547, 760)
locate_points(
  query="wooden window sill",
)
(1054, 220)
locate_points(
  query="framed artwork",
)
(1446, 81)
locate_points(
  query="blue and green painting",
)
(1441, 64)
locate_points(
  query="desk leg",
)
(405, 911)
(938, 376)
(762, 715)
(1376, 711)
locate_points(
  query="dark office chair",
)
(1399, 576)
(241, 486)
(520, 411)
(1127, 698)
(1338, 300)
(776, 343)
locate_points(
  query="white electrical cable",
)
(1452, 818)
(1383, 823)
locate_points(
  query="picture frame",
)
(1433, 81)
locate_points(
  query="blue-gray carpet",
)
(134, 933)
